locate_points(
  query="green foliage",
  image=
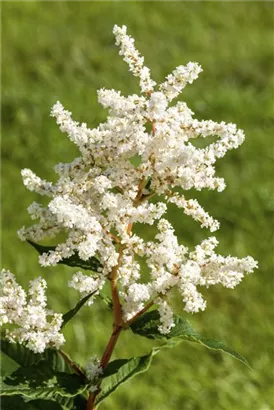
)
(45, 376)
(147, 325)
(44, 404)
(18, 403)
(120, 371)
(40, 381)
(20, 354)
(25, 357)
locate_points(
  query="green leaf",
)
(40, 381)
(113, 367)
(16, 403)
(68, 403)
(20, 354)
(53, 367)
(147, 326)
(119, 371)
(74, 261)
(25, 357)
(77, 403)
(71, 313)
(44, 404)
(58, 402)
(8, 365)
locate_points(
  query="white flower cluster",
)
(87, 284)
(179, 78)
(133, 58)
(36, 326)
(102, 193)
(93, 369)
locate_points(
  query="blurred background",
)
(65, 51)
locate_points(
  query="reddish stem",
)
(110, 347)
(104, 362)
(72, 364)
(117, 311)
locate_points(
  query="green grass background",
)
(65, 51)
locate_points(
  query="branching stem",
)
(72, 364)
(118, 324)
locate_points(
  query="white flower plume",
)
(36, 326)
(101, 194)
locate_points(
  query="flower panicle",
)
(144, 149)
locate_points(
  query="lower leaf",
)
(42, 382)
(147, 326)
(120, 371)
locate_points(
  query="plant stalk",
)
(117, 310)
(72, 364)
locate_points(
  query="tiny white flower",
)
(93, 371)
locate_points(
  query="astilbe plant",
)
(97, 200)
